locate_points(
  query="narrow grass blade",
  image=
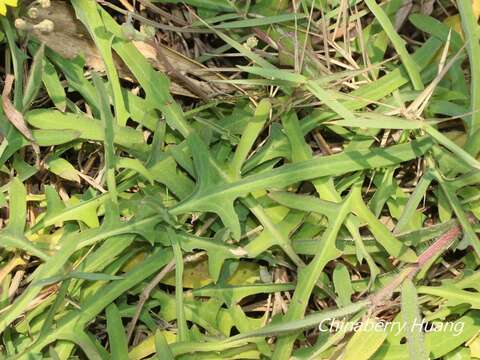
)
(116, 333)
(412, 318)
(162, 348)
(470, 29)
(450, 145)
(398, 44)
(107, 119)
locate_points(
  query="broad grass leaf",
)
(432, 26)
(218, 198)
(161, 347)
(411, 317)
(366, 341)
(398, 44)
(148, 346)
(88, 13)
(232, 294)
(438, 343)
(454, 295)
(135, 165)
(34, 81)
(470, 31)
(76, 275)
(450, 145)
(53, 137)
(379, 121)
(54, 87)
(64, 169)
(343, 285)
(87, 128)
(116, 333)
(12, 236)
(267, 20)
(380, 232)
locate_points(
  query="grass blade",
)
(116, 333)
(398, 44)
(412, 319)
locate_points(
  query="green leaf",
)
(267, 20)
(308, 276)
(412, 318)
(450, 145)
(213, 194)
(343, 285)
(34, 81)
(87, 13)
(470, 31)
(454, 295)
(398, 44)
(180, 311)
(64, 169)
(379, 121)
(54, 137)
(250, 134)
(86, 128)
(161, 347)
(54, 87)
(116, 333)
(329, 97)
(154, 83)
(435, 27)
(108, 140)
(13, 235)
(231, 295)
(393, 246)
(135, 165)
(76, 275)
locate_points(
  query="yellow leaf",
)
(196, 275)
(365, 341)
(474, 345)
(247, 273)
(455, 23)
(476, 8)
(147, 346)
(137, 259)
(458, 137)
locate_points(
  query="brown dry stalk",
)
(146, 294)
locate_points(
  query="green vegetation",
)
(223, 179)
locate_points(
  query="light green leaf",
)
(34, 81)
(64, 169)
(116, 333)
(365, 341)
(135, 165)
(412, 318)
(343, 285)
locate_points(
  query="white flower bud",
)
(32, 13)
(21, 24)
(45, 26)
(44, 3)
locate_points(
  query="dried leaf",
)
(13, 115)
